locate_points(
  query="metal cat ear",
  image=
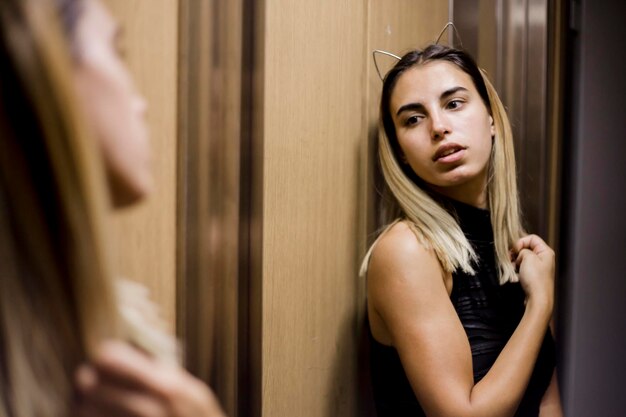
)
(455, 34)
(446, 27)
(381, 52)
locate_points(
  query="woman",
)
(452, 332)
(72, 143)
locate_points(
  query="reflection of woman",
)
(66, 345)
(453, 334)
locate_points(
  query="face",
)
(114, 108)
(444, 129)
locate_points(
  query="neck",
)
(473, 192)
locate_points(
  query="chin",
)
(125, 200)
(461, 175)
(124, 194)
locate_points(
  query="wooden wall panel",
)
(145, 235)
(313, 107)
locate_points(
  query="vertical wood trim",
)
(557, 26)
(258, 202)
(195, 316)
(251, 210)
(209, 183)
(367, 224)
(182, 204)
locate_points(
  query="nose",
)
(439, 125)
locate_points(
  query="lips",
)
(447, 150)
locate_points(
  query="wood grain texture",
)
(210, 99)
(313, 106)
(488, 38)
(145, 235)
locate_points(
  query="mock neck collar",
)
(474, 221)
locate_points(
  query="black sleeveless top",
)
(489, 313)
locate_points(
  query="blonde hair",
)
(433, 225)
(57, 298)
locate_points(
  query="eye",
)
(412, 120)
(454, 104)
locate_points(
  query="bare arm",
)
(551, 402)
(407, 293)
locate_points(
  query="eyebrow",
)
(419, 106)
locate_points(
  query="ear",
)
(493, 127)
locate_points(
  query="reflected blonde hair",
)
(57, 298)
(433, 225)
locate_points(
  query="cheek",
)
(116, 117)
(413, 143)
(416, 155)
(484, 148)
(111, 106)
(100, 97)
(477, 130)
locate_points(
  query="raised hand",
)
(534, 260)
(122, 381)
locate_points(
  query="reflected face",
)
(444, 129)
(114, 107)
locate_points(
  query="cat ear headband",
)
(377, 52)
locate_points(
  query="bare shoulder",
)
(400, 254)
(401, 266)
(406, 288)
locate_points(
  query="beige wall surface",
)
(314, 62)
(145, 235)
(320, 92)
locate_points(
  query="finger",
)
(88, 408)
(86, 378)
(532, 242)
(126, 365)
(175, 389)
(112, 400)
(522, 254)
(523, 243)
